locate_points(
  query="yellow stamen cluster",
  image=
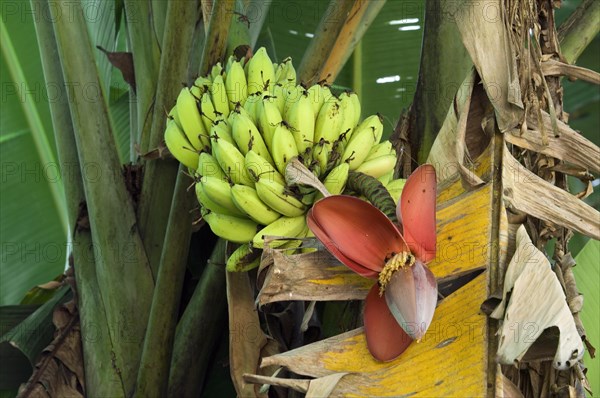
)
(398, 261)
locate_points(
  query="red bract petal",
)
(333, 249)
(416, 212)
(385, 338)
(411, 296)
(355, 232)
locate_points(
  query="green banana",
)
(379, 166)
(207, 111)
(201, 85)
(381, 149)
(269, 118)
(191, 123)
(252, 106)
(211, 205)
(349, 111)
(243, 259)
(236, 85)
(179, 146)
(222, 130)
(219, 191)
(277, 197)
(285, 227)
(234, 229)
(208, 166)
(278, 92)
(174, 115)
(247, 136)
(246, 199)
(321, 153)
(291, 95)
(335, 182)
(260, 71)
(283, 147)
(260, 168)
(366, 135)
(218, 94)
(387, 177)
(301, 119)
(329, 121)
(231, 161)
(285, 73)
(318, 95)
(216, 70)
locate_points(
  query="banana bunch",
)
(236, 130)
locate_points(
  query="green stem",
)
(215, 44)
(579, 30)
(146, 58)
(374, 191)
(200, 328)
(322, 44)
(100, 380)
(153, 375)
(124, 276)
(153, 211)
(261, 7)
(38, 132)
(239, 33)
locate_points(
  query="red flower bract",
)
(364, 239)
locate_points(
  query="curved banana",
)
(216, 70)
(260, 71)
(174, 115)
(243, 259)
(283, 227)
(301, 118)
(208, 166)
(348, 110)
(381, 149)
(260, 168)
(211, 205)
(329, 121)
(207, 111)
(379, 166)
(291, 95)
(191, 123)
(269, 118)
(247, 136)
(221, 130)
(236, 85)
(318, 95)
(283, 147)
(218, 94)
(285, 73)
(387, 177)
(246, 199)
(219, 191)
(278, 198)
(201, 85)
(366, 135)
(231, 161)
(321, 153)
(335, 182)
(278, 92)
(395, 187)
(234, 229)
(179, 146)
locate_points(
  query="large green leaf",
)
(587, 274)
(32, 206)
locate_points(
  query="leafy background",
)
(383, 70)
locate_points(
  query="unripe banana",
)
(231, 161)
(335, 182)
(387, 177)
(285, 73)
(349, 111)
(278, 92)
(357, 108)
(284, 227)
(243, 259)
(247, 136)
(191, 123)
(218, 94)
(329, 121)
(201, 85)
(260, 71)
(219, 191)
(320, 154)
(174, 115)
(283, 147)
(269, 118)
(211, 205)
(207, 111)
(292, 94)
(234, 229)
(208, 166)
(378, 166)
(259, 167)
(318, 95)
(179, 146)
(381, 149)
(221, 130)
(395, 187)
(252, 106)
(366, 135)
(246, 199)
(301, 119)
(277, 197)
(236, 86)
(216, 70)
